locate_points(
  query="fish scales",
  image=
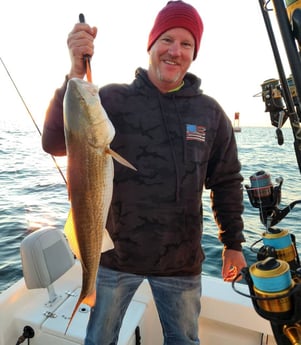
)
(90, 198)
(88, 133)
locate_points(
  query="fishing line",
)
(261, 186)
(31, 116)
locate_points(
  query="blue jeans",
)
(177, 300)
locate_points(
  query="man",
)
(180, 140)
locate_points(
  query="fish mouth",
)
(76, 83)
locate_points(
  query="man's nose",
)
(174, 49)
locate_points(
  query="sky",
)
(235, 55)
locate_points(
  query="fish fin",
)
(90, 299)
(107, 243)
(73, 313)
(120, 159)
(69, 231)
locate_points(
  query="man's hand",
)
(233, 262)
(80, 43)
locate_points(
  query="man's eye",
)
(187, 45)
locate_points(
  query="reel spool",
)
(276, 297)
(261, 189)
(272, 282)
(265, 196)
(281, 241)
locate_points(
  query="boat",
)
(236, 126)
(39, 305)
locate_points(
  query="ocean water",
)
(34, 194)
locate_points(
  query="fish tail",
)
(89, 300)
(73, 313)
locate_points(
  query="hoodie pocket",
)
(157, 237)
(196, 152)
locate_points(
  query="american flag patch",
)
(195, 132)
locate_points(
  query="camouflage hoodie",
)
(180, 142)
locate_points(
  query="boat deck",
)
(226, 316)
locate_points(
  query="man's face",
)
(170, 57)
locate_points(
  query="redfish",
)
(90, 172)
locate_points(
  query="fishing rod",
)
(282, 96)
(274, 281)
(32, 118)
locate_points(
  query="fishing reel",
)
(279, 244)
(274, 281)
(272, 96)
(265, 196)
(276, 297)
(274, 104)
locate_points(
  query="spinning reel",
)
(265, 196)
(273, 97)
(275, 279)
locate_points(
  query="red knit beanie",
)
(177, 14)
